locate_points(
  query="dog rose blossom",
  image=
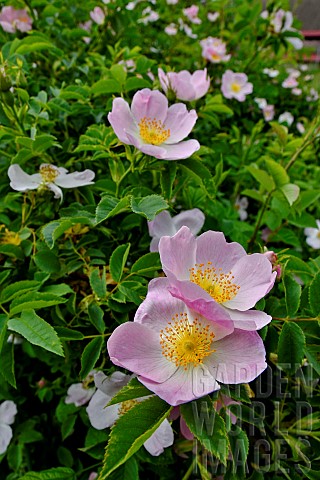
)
(153, 127)
(214, 50)
(186, 86)
(235, 85)
(102, 417)
(313, 236)
(12, 20)
(49, 177)
(208, 272)
(8, 411)
(164, 224)
(178, 353)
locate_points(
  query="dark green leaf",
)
(134, 389)
(148, 206)
(7, 363)
(111, 206)
(34, 300)
(59, 473)
(118, 260)
(291, 347)
(147, 263)
(90, 356)
(314, 295)
(96, 317)
(18, 288)
(98, 281)
(292, 294)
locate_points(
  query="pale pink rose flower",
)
(296, 91)
(273, 259)
(156, 346)
(49, 177)
(209, 272)
(187, 30)
(290, 82)
(214, 50)
(286, 117)
(192, 14)
(213, 16)
(98, 15)
(281, 21)
(101, 416)
(186, 86)
(313, 236)
(93, 476)
(242, 205)
(153, 127)
(12, 20)
(300, 127)
(261, 102)
(164, 224)
(268, 113)
(264, 14)
(271, 72)
(313, 95)
(236, 85)
(79, 394)
(8, 411)
(171, 29)
(148, 16)
(87, 27)
(172, 2)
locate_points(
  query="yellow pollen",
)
(126, 406)
(318, 235)
(153, 131)
(235, 87)
(185, 343)
(218, 284)
(9, 238)
(48, 173)
(216, 56)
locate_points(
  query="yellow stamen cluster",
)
(126, 406)
(9, 238)
(185, 343)
(219, 285)
(215, 56)
(48, 173)
(153, 131)
(235, 87)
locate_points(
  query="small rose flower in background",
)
(12, 20)
(80, 393)
(242, 205)
(286, 117)
(281, 21)
(153, 127)
(102, 417)
(186, 86)
(93, 476)
(192, 14)
(208, 272)
(271, 72)
(8, 411)
(213, 16)
(164, 224)
(148, 16)
(300, 127)
(49, 177)
(98, 15)
(171, 29)
(214, 50)
(236, 85)
(268, 113)
(313, 236)
(290, 82)
(181, 355)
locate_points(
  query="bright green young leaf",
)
(90, 355)
(118, 260)
(119, 73)
(291, 347)
(314, 295)
(37, 331)
(292, 295)
(134, 83)
(148, 206)
(130, 432)
(310, 474)
(277, 172)
(291, 192)
(262, 177)
(146, 264)
(134, 389)
(34, 301)
(103, 87)
(207, 426)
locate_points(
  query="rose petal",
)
(122, 121)
(75, 179)
(21, 181)
(101, 416)
(249, 320)
(8, 411)
(193, 219)
(163, 437)
(150, 104)
(5, 437)
(178, 254)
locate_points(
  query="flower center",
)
(215, 56)
(48, 173)
(153, 131)
(318, 234)
(219, 285)
(184, 343)
(9, 238)
(235, 87)
(126, 406)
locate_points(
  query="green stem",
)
(259, 220)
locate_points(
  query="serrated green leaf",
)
(59, 473)
(134, 83)
(167, 178)
(3, 328)
(239, 446)
(292, 295)
(118, 260)
(37, 331)
(291, 347)
(53, 230)
(262, 177)
(111, 206)
(134, 389)
(68, 334)
(148, 206)
(7, 363)
(90, 355)
(207, 426)
(129, 470)
(130, 432)
(17, 289)
(47, 261)
(96, 315)
(277, 172)
(102, 87)
(98, 281)
(291, 192)
(147, 263)
(34, 301)
(314, 295)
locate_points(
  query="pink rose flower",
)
(12, 20)
(186, 86)
(214, 50)
(98, 15)
(268, 113)
(8, 411)
(236, 85)
(164, 224)
(192, 14)
(153, 127)
(181, 355)
(208, 272)
(313, 236)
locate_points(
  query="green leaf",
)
(59, 473)
(148, 206)
(167, 178)
(47, 261)
(68, 334)
(34, 300)
(277, 172)
(129, 470)
(134, 83)
(292, 295)
(37, 331)
(314, 295)
(96, 315)
(291, 347)
(130, 432)
(7, 363)
(90, 356)
(239, 445)
(17, 289)
(103, 87)
(36, 43)
(147, 263)
(197, 170)
(134, 389)
(207, 426)
(98, 281)
(119, 73)
(3, 329)
(53, 230)
(310, 474)
(111, 206)
(291, 192)
(118, 260)
(262, 177)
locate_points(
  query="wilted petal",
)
(163, 437)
